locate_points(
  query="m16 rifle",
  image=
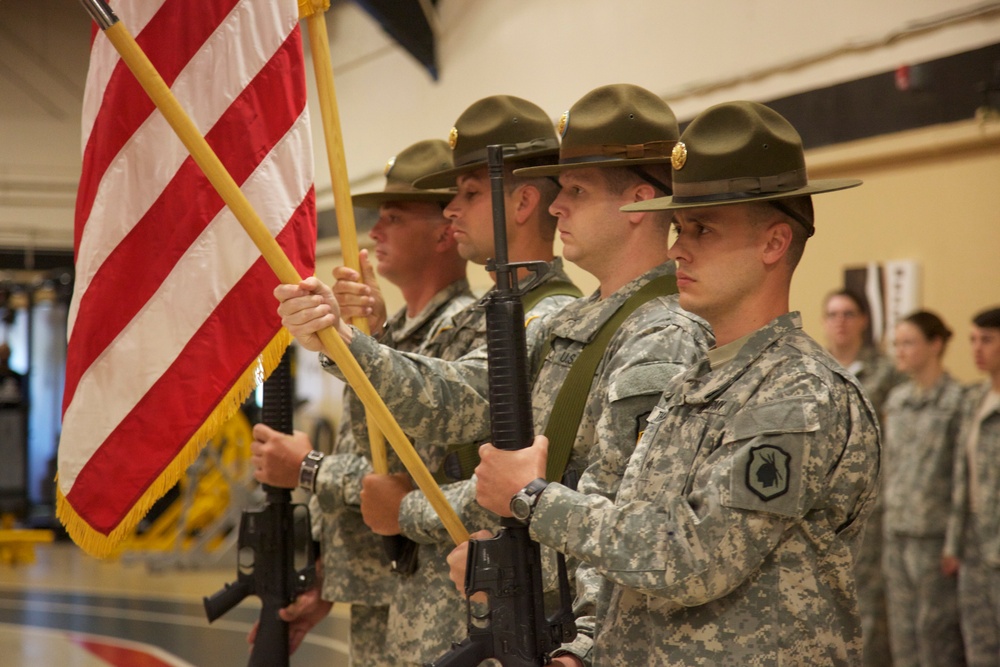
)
(266, 545)
(508, 566)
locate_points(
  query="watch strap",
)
(309, 469)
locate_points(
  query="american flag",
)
(172, 321)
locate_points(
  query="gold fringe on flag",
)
(109, 545)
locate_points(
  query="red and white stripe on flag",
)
(173, 322)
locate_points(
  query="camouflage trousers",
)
(368, 628)
(924, 627)
(979, 604)
(427, 614)
(871, 595)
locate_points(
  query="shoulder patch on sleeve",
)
(768, 471)
(767, 475)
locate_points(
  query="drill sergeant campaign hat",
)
(620, 125)
(522, 127)
(413, 162)
(739, 152)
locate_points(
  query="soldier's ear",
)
(644, 191)
(777, 240)
(526, 201)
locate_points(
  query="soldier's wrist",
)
(309, 469)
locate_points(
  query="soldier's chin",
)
(687, 301)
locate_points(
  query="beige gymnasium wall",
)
(930, 195)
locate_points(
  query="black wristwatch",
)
(308, 470)
(522, 505)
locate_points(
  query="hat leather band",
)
(594, 153)
(509, 150)
(738, 188)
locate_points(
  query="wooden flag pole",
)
(319, 45)
(223, 182)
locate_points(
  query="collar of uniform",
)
(867, 360)
(990, 403)
(705, 386)
(720, 356)
(403, 328)
(919, 397)
(581, 320)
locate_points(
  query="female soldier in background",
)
(921, 424)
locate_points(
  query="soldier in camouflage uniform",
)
(972, 544)
(627, 253)
(732, 536)
(920, 436)
(493, 120)
(846, 317)
(417, 252)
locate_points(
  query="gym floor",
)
(68, 609)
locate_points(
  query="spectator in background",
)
(920, 434)
(845, 320)
(973, 537)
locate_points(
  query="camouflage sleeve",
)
(419, 522)
(338, 481)
(957, 517)
(582, 646)
(315, 519)
(694, 547)
(433, 400)
(652, 347)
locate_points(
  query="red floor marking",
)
(119, 656)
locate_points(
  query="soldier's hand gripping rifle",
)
(266, 546)
(508, 566)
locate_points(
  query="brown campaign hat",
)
(516, 123)
(413, 162)
(739, 152)
(613, 126)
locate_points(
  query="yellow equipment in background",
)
(199, 527)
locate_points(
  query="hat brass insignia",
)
(453, 138)
(389, 165)
(679, 155)
(563, 123)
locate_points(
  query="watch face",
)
(520, 508)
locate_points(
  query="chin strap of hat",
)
(794, 215)
(652, 180)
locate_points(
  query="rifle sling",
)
(567, 411)
(547, 289)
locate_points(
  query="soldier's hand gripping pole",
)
(507, 567)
